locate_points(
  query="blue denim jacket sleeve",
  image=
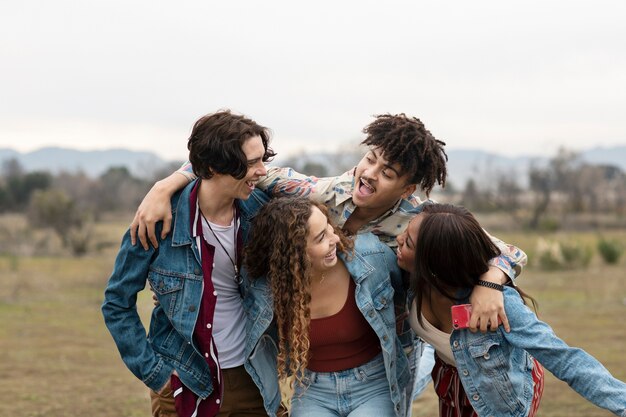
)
(121, 317)
(581, 371)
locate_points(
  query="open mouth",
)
(251, 185)
(331, 255)
(365, 188)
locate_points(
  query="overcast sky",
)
(513, 77)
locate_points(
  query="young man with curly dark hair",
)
(194, 355)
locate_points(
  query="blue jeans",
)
(358, 392)
(423, 378)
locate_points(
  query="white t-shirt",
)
(229, 319)
(435, 337)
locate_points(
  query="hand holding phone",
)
(461, 316)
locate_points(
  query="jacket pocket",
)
(382, 301)
(487, 355)
(167, 287)
(492, 375)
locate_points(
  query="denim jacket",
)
(373, 268)
(495, 368)
(174, 272)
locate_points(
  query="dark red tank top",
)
(342, 341)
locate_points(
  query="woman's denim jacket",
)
(175, 274)
(495, 368)
(375, 272)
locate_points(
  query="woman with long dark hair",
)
(499, 373)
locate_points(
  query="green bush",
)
(610, 250)
(549, 255)
(576, 254)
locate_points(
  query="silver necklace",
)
(233, 262)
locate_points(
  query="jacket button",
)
(465, 372)
(371, 313)
(192, 308)
(161, 285)
(476, 397)
(385, 338)
(455, 343)
(486, 356)
(393, 388)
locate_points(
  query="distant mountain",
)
(481, 165)
(462, 164)
(93, 163)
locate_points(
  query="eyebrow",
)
(316, 237)
(386, 165)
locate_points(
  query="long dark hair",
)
(452, 252)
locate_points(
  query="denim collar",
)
(181, 235)
(357, 266)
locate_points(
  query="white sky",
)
(513, 77)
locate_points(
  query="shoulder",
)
(367, 244)
(413, 204)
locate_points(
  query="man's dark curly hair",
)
(215, 144)
(405, 140)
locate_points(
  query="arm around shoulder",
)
(156, 207)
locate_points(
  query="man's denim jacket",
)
(495, 368)
(175, 274)
(375, 272)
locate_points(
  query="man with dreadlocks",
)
(378, 196)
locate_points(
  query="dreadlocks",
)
(405, 140)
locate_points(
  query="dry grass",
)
(59, 360)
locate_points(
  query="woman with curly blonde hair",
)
(321, 306)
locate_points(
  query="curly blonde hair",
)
(277, 249)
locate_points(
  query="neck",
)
(360, 217)
(215, 204)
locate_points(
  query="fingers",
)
(505, 320)
(167, 225)
(151, 228)
(133, 230)
(141, 231)
(474, 322)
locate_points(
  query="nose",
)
(262, 170)
(369, 173)
(400, 239)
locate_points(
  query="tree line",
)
(69, 203)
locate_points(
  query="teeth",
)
(367, 185)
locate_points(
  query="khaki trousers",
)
(241, 397)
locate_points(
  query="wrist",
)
(168, 186)
(495, 275)
(489, 284)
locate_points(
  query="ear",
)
(408, 190)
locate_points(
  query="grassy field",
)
(57, 358)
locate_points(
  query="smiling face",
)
(406, 244)
(379, 184)
(241, 189)
(321, 243)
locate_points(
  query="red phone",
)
(461, 316)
